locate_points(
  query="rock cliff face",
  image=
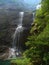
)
(8, 23)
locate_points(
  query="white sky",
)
(38, 6)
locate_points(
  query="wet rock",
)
(4, 52)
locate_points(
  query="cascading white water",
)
(16, 37)
(18, 29)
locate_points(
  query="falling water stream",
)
(15, 50)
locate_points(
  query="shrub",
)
(21, 61)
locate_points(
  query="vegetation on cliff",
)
(38, 41)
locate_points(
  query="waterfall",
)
(18, 29)
(16, 36)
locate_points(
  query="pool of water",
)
(6, 62)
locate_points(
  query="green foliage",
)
(21, 61)
(45, 6)
(38, 42)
